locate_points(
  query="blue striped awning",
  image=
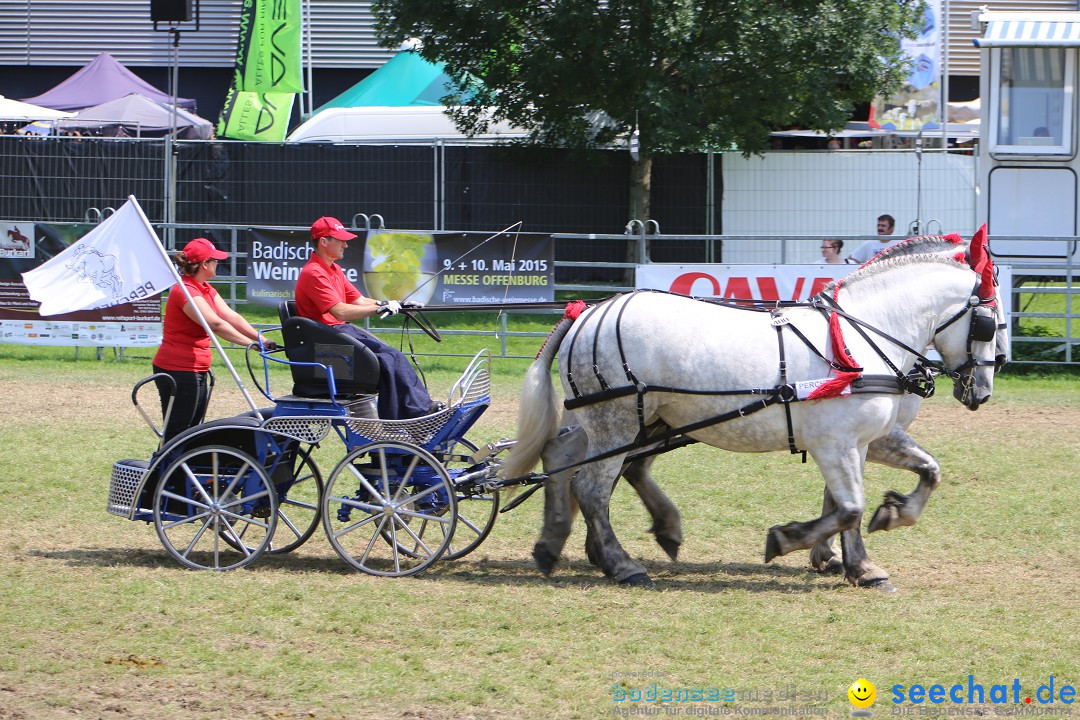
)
(1040, 32)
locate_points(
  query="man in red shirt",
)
(325, 295)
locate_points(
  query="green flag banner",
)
(255, 116)
(268, 52)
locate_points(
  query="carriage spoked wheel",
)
(215, 508)
(476, 512)
(376, 499)
(298, 507)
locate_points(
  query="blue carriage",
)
(405, 494)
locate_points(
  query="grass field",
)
(97, 621)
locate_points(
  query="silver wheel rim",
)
(209, 494)
(375, 500)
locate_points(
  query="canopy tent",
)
(405, 79)
(15, 111)
(104, 79)
(137, 116)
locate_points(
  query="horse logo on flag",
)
(90, 265)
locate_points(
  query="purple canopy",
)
(104, 79)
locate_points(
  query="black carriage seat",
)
(356, 369)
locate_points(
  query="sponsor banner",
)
(764, 282)
(741, 282)
(267, 74)
(255, 116)
(432, 268)
(268, 55)
(918, 103)
(133, 324)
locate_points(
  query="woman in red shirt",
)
(185, 347)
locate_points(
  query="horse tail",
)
(538, 407)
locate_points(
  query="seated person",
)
(325, 295)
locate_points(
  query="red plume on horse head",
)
(980, 261)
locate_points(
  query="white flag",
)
(119, 261)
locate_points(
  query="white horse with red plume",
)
(824, 377)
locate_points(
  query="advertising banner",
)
(30, 245)
(766, 283)
(271, 58)
(435, 268)
(918, 104)
(267, 75)
(255, 116)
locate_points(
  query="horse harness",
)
(919, 381)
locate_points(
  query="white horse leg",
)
(843, 481)
(592, 486)
(667, 525)
(898, 450)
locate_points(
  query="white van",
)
(411, 123)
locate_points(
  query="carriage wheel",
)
(377, 497)
(476, 512)
(210, 498)
(298, 508)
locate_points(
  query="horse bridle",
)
(983, 328)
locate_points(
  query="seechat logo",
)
(862, 695)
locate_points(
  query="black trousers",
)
(401, 394)
(192, 399)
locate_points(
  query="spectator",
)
(830, 252)
(885, 226)
(325, 295)
(185, 347)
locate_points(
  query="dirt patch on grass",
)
(71, 403)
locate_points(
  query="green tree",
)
(689, 75)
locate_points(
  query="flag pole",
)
(198, 313)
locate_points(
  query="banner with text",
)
(28, 245)
(765, 283)
(438, 268)
(267, 73)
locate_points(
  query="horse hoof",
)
(832, 566)
(883, 585)
(669, 546)
(544, 558)
(641, 580)
(772, 544)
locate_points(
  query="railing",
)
(1044, 317)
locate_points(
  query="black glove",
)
(388, 308)
(269, 345)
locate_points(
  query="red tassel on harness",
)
(833, 388)
(574, 308)
(838, 384)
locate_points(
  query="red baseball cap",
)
(330, 227)
(201, 249)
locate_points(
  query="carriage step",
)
(126, 476)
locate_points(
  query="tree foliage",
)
(689, 74)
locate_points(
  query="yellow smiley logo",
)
(862, 693)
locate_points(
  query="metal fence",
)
(215, 189)
(1044, 318)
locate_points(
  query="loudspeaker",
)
(170, 10)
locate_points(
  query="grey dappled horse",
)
(896, 450)
(915, 300)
